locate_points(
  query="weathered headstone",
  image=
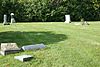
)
(33, 47)
(23, 58)
(84, 22)
(9, 48)
(12, 18)
(5, 20)
(67, 19)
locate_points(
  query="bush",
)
(50, 10)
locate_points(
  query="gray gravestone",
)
(12, 18)
(5, 19)
(33, 47)
(23, 58)
(8, 48)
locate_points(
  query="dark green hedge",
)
(50, 10)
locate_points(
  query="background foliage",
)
(50, 10)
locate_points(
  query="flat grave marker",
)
(23, 58)
(34, 47)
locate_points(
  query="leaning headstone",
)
(5, 20)
(67, 19)
(84, 22)
(12, 18)
(9, 48)
(23, 58)
(33, 47)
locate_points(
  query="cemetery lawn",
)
(67, 45)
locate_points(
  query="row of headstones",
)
(5, 19)
(67, 19)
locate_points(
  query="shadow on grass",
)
(27, 38)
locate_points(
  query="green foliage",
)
(50, 10)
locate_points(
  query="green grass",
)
(68, 45)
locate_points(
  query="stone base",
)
(67, 22)
(23, 58)
(6, 24)
(6, 52)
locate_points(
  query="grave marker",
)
(9, 48)
(23, 58)
(12, 18)
(67, 19)
(84, 22)
(33, 47)
(5, 20)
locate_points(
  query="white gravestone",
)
(5, 19)
(8, 48)
(23, 58)
(33, 47)
(67, 19)
(12, 18)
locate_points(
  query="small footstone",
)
(23, 58)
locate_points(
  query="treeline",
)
(50, 10)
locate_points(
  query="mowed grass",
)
(67, 45)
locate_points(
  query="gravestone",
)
(33, 47)
(23, 58)
(12, 18)
(5, 20)
(67, 19)
(9, 48)
(84, 22)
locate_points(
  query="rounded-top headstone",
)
(12, 14)
(12, 18)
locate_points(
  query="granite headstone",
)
(9, 48)
(33, 47)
